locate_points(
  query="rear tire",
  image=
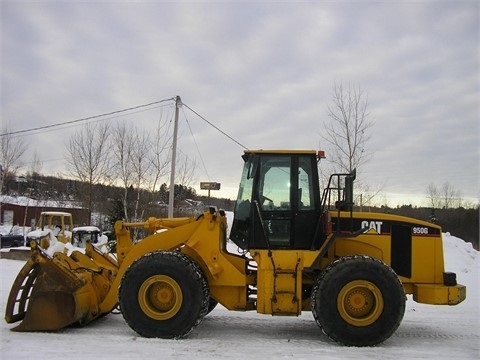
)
(164, 294)
(358, 301)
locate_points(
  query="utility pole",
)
(178, 105)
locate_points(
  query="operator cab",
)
(278, 204)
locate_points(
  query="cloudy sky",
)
(262, 72)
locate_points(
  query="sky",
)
(262, 72)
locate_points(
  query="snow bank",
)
(460, 256)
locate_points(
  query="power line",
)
(85, 119)
(196, 145)
(209, 123)
(118, 112)
(62, 127)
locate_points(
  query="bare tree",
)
(185, 170)
(36, 165)
(451, 196)
(87, 157)
(132, 154)
(347, 132)
(433, 196)
(122, 143)
(33, 172)
(445, 197)
(160, 156)
(140, 165)
(368, 194)
(11, 152)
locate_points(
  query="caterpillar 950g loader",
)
(298, 251)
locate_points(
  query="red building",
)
(23, 211)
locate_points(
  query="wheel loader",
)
(52, 225)
(295, 249)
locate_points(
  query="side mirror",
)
(346, 204)
(348, 192)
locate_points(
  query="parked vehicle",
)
(10, 240)
(56, 223)
(89, 234)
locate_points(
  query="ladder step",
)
(285, 272)
(285, 292)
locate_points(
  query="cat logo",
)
(375, 227)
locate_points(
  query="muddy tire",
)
(358, 301)
(164, 294)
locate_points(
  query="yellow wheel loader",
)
(295, 250)
(52, 223)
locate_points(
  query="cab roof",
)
(283, 152)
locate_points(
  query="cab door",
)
(287, 200)
(275, 201)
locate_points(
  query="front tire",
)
(164, 294)
(358, 301)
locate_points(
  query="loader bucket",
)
(46, 295)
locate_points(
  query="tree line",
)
(459, 221)
(109, 201)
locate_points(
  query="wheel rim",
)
(360, 303)
(160, 297)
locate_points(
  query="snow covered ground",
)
(427, 332)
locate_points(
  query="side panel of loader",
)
(226, 273)
(413, 248)
(280, 280)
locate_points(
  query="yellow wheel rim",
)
(360, 303)
(160, 297)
